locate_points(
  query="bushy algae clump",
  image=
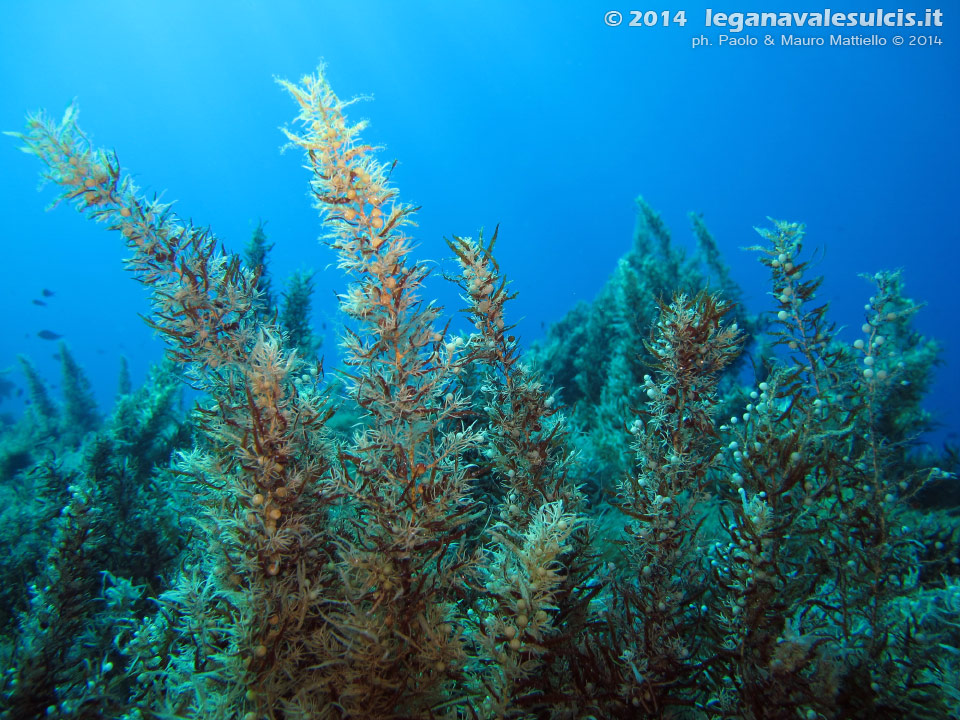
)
(739, 551)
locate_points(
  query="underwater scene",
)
(479, 360)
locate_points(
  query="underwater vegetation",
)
(705, 514)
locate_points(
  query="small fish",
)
(48, 335)
(39, 302)
(47, 293)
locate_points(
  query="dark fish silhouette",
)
(47, 293)
(39, 302)
(48, 335)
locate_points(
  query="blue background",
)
(536, 116)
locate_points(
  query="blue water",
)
(539, 118)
